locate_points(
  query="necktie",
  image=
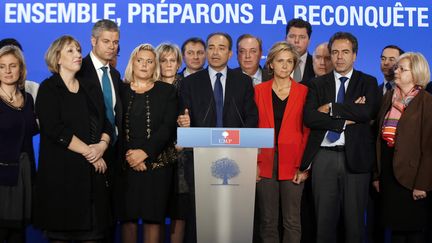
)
(297, 72)
(218, 97)
(388, 87)
(255, 81)
(331, 135)
(107, 93)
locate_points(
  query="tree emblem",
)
(225, 169)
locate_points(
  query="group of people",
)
(344, 147)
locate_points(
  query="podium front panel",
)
(225, 194)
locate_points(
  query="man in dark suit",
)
(341, 150)
(197, 90)
(249, 53)
(389, 56)
(193, 52)
(298, 33)
(215, 97)
(103, 82)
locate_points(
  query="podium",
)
(225, 162)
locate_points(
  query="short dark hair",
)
(344, 36)
(10, 41)
(393, 47)
(299, 23)
(226, 35)
(245, 36)
(192, 40)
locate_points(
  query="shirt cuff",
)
(330, 109)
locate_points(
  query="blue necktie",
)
(388, 87)
(331, 135)
(218, 97)
(107, 92)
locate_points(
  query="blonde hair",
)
(17, 53)
(167, 48)
(129, 68)
(279, 47)
(52, 55)
(419, 67)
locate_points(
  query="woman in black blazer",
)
(71, 194)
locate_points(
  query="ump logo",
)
(223, 136)
(225, 169)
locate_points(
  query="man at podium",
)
(215, 97)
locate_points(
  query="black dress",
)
(150, 125)
(71, 199)
(399, 210)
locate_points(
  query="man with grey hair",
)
(103, 81)
(249, 52)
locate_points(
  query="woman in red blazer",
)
(280, 106)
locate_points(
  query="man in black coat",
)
(105, 41)
(389, 56)
(341, 149)
(193, 52)
(196, 92)
(94, 71)
(202, 105)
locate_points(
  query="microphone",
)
(238, 112)
(211, 101)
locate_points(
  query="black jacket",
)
(359, 138)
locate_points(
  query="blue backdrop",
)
(375, 23)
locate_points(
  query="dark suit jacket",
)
(429, 87)
(265, 75)
(181, 73)
(88, 72)
(359, 138)
(196, 94)
(412, 159)
(308, 72)
(381, 88)
(91, 81)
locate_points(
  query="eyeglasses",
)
(402, 69)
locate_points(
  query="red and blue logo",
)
(225, 136)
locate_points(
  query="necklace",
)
(10, 97)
